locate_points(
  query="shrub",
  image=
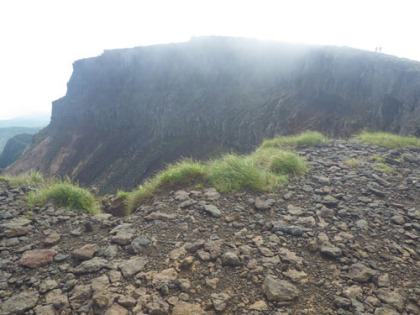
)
(234, 173)
(63, 194)
(385, 139)
(309, 138)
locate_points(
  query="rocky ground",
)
(338, 240)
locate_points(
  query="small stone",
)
(17, 230)
(52, 239)
(386, 311)
(187, 262)
(181, 195)
(331, 251)
(394, 298)
(360, 273)
(37, 257)
(398, 219)
(20, 303)
(211, 194)
(184, 308)
(329, 201)
(212, 210)
(261, 205)
(139, 242)
(85, 252)
(132, 266)
(219, 301)
(259, 306)
(279, 290)
(230, 259)
(92, 265)
(116, 309)
(122, 238)
(383, 280)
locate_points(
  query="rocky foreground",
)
(338, 240)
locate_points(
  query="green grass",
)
(387, 140)
(264, 170)
(378, 158)
(63, 194)
(353, 163)
(235, 173)
(32, 179)
(279, 161)
(383, 167)
(185, 172)
(309, 138)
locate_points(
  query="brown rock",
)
(116, 310)
(184, 308)
(52, 239)
(85, 252)
(37, 257)
(279, 290)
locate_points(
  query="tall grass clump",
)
(234, 173)
(184, 172)
(63, 194)
(309, 138)
(279, 161)
(385, 139)
(33, 179)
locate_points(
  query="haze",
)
(41, 39)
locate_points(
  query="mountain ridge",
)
(129, 111)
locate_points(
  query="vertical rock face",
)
(128, 112)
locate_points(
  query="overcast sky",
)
(41, 39)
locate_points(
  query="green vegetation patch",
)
(63, 194)
(383, 167)
(279, 161)
(385, 139)
(185, 172)
(309, 138)
(353, 163)
(234, 173)
(32, 179)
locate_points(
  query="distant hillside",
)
(128, 112)
(9, 132)
(14, 148)
(26, 121)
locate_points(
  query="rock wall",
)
(128, 112)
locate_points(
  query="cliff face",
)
(127, 112)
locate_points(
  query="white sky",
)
(41, 39)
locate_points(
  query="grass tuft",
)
(353, 163)
(309, 138)
(388, 140)
(279, 161)
(33, 179)
(234, 173)
(185, 172)
(63, 194)
(383, 167)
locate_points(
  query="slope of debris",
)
(338, 240)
